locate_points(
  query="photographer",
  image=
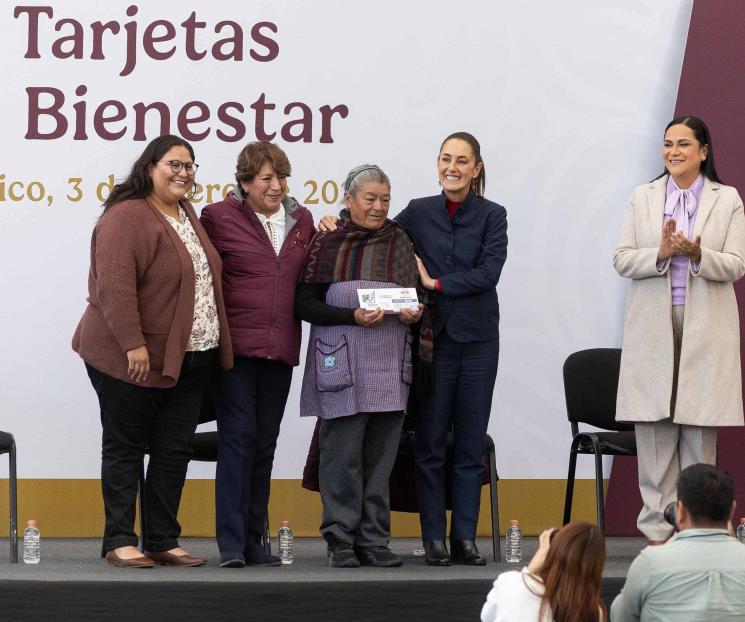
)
(561, 583)
(700, 573)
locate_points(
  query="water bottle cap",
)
(31, 523)
(513, 522)
(284, 523)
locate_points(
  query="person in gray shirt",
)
(699, 574)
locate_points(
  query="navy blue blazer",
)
(466, 254)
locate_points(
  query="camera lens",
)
(670, 513)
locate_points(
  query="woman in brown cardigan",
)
(154, 327)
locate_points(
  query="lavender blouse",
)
(683, 206)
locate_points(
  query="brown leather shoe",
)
(135, 562)
(169, 559)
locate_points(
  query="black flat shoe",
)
(465, 552)
(232, 562)
(436, 553)
(257, 557)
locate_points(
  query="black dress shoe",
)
(232, 561)
(465, 552)
(377, 556)
(436, 553)
(258, 557)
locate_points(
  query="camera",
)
(670, 514)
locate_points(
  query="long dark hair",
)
(478, 184)
(572, 573)
(701, 132)
(138, 184)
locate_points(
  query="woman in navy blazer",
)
(461, 239)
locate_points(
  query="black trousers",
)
(463, 379)
(138, 420)
(249, 402)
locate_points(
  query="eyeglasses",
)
(177, 165)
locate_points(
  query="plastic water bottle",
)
(740, 532)
(31, 543)
(514, 543)
(284, 539)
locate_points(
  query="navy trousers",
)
(249, 404)
(463, 376)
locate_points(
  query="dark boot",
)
(436, 553)
(465, 552)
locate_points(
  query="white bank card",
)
(390, 299)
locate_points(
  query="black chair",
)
(590, 388)
(8, 446)
(403, 482)
(204, 449)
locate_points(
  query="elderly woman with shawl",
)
(358, 367)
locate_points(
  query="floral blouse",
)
(205, 328)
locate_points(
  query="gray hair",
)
(364, 174)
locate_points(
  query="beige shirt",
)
(205, 328)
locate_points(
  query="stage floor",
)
(77, 559)
(72, 582)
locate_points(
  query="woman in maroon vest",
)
(261, 235)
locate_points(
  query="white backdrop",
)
(569, 100)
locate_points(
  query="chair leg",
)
(143, 505)
(493, 495)
(12, 482)
(570, 483)
(599, 500)
(265, 536)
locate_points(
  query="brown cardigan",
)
(141, 292)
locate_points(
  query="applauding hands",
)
(675, 243)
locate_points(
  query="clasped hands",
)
(373, 318)
(675, 243)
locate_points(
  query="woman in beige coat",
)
(683, 245)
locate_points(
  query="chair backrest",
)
(590, 388)
(6, 442)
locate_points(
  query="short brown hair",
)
(253, 156)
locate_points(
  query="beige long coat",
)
(709, 391)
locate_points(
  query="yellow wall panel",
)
(73, 507)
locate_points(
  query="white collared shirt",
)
(275, 227)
